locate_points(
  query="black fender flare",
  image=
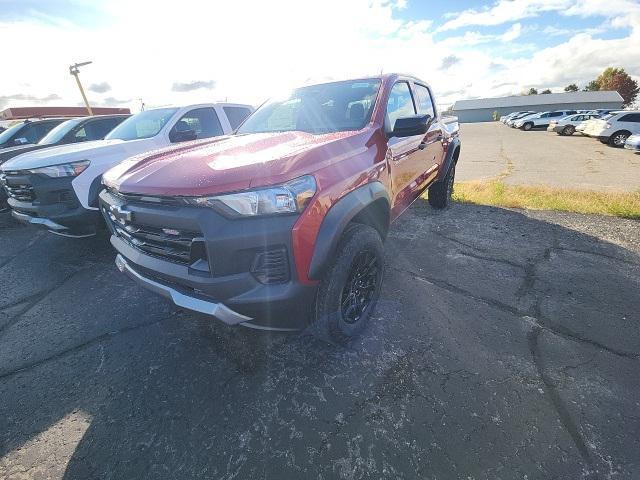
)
(337, 219)
(454, 145)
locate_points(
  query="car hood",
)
(73, 153)
(230, 163)
(7, 153)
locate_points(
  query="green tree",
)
(545, 91)
(572, 87)
(532, 91)
(592, 86)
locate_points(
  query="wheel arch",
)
(368, 204)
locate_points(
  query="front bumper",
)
(50, 203)
(208, 263)
(632, 146)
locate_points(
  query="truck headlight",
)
(65, 170)
(290, 197)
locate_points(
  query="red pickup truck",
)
(282, 224)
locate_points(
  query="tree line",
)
(611, 78)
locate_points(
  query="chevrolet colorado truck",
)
(282, 224)
(57, 188)
(76, 130)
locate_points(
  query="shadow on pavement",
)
(505, 344)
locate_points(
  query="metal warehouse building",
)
(481, 109)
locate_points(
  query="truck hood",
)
(75, 152)
(230, 163)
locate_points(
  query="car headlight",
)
(290, 197)
(65, 170)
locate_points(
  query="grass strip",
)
(498, 193)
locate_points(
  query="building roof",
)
(19, 113)
(540, 99)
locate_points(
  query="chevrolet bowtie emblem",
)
(121, 214)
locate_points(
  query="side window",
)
(30, 134)
(236, 115)
(556, 114)
(631, 117)
(424, 100)
(544, 115)
(98, 129)
(80, 135)
(198, 123)
(400, 104)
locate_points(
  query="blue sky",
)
(465, 49)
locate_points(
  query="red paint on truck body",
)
(340, 163)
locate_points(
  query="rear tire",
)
(350, 287)
(440, 193)
(617, 139)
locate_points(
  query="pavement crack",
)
(535, 317)
(599, 254)
(560, 407)
(77, 348)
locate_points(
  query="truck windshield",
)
(58, 133)
(9, 132)
(325, 108)
(142, 125)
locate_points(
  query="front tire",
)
(350, 288)
(568, 130)
(527, 126)
(440, 193)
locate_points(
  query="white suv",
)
(540, 120)
(567, 125)
(615, 128)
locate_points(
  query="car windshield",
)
(325, 108)
(9, 132)
(143, 125)
(58, 133)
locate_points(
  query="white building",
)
(482, 109)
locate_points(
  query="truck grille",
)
(166, 243)
(20, 191)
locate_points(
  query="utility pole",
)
(75, 70)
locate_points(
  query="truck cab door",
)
(431, 154)
(403, 153)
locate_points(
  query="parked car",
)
(567, 125)
(633, 143)
(615, 128)
(540, 120)
(511, 115)
(58, 188)
(284, 221)
(27, 131)
(517, 117)
(72, 131)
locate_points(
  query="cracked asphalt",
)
(506, 345)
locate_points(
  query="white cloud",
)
(142, 50)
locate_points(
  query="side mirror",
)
(410, 126)
(182, 135)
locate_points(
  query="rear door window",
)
(399, 105)
(236, 115)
